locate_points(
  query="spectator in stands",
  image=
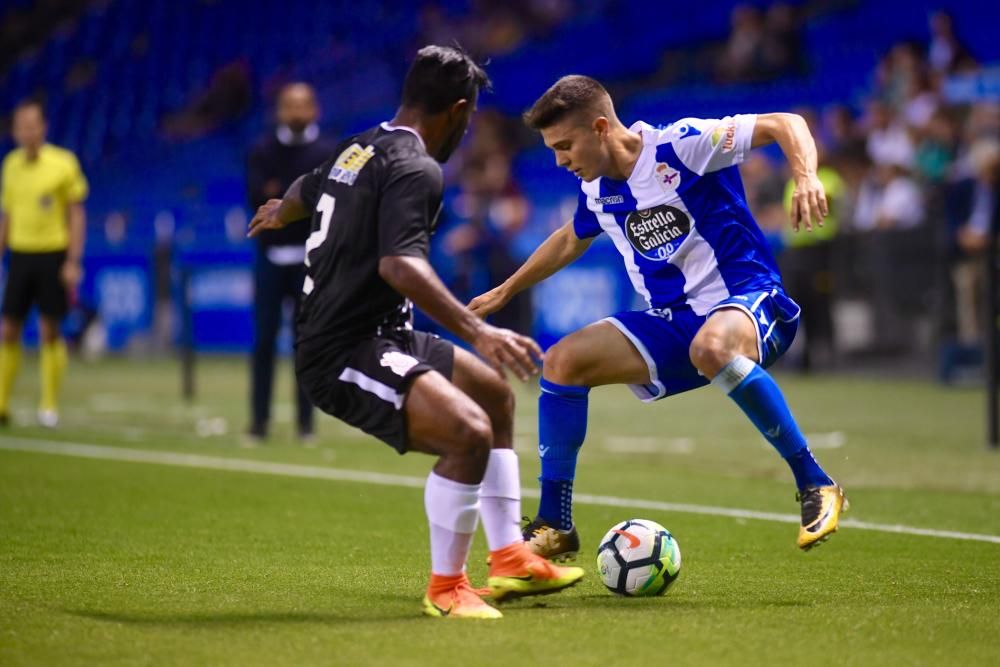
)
(226, 98)
(889, 142)
(761, 45)
(889, 200)
(764, 183)
(889, 210)
(922, 100)
(840, 132)
(807, 264)
(896, 72)
(742, 57)
(292, 149)
(42, 221)
(935, 153)
(494, 210)
(946, 53)
(783, 40)
(975, 204)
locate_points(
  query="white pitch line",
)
(82, 450)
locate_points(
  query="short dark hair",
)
(27, 104)
(441, 76)
(567, 96)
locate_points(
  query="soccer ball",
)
(638, 558)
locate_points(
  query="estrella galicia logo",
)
(657, 232)
(686, 130)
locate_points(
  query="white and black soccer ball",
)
(638, 558)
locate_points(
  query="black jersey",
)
(378, 196)
(272, 160)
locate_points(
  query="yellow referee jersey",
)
(35, 196)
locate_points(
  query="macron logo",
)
(612, 199)
(688, 131)
(542, 450)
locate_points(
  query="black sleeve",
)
(409, 201)
(312, 184)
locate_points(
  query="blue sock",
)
(758, 395)
(562, 426)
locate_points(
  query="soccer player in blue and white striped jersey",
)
(672, 201)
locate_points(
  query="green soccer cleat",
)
(516, 571)
(821, 509)
(549, 542)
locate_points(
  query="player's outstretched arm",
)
(414, 278)
(277, 213)
(561, 248)
(792, 134)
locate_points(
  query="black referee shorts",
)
(366, 386)
(34, 278)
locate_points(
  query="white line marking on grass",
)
(648, 445)
(832, 440)
(316, 472)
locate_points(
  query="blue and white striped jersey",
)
(681, 220)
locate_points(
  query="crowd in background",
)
(897, 267)
(911, 178)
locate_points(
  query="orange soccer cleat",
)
(515, 571)
(454, 597)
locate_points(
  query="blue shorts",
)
(663, 337)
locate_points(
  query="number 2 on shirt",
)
(325, 206)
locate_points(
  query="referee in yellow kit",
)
(42, 221)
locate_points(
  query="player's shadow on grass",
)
(674, 602)
(235, 619)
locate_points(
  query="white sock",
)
(500, 499)
(453, 512)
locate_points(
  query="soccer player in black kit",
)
(374, 205)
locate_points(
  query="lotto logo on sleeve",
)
(350, 163)
(657, 232)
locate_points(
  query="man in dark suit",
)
(293, 148)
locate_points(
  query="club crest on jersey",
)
(656, 233)
(397, 362)
(667, 177)
(350, 163)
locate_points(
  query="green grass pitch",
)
(109, 562)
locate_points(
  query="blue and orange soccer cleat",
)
(454, 597)
(821, 509)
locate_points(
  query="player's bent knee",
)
(474, 437)
(498, 399)
(709, 353)
(561, 366)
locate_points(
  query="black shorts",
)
(366, 386)
(34, 278)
